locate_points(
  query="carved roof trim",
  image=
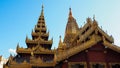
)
(36, 50)
(95, 39)
(89, 31)
(42, 34)
(110, 38)
(41, 41)
(111, 46)
(72, 51)
(81, 31)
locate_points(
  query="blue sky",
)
(18, 18)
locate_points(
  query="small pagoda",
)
(38, 52)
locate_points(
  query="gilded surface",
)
(76, 40)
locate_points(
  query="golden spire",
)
(94, 17)
(26, 37)
(70, 13)
(60, 41)
(32, 31)
(71, 28)
(17, 46)
(42, 14)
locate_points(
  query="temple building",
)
(2, 61)
(82, 47)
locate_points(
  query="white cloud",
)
(12, 51)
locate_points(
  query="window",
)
(97, 65)
(77, 65)
(114, 65)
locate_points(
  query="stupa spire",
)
(60, 41)
(71, 29)
(40, 36)
(93, 17)
(70, 14)
(42, 11)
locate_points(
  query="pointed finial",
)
(89, 20)
(70, 12)
(42, 10)
(94, 17)
(26, 37)
(52, 39)
(101, 27)
(42, 6)
(32, 30)
(17, 45)
(60, 41)
(70, 8)
(11, 55)
(60, 36)
(94, 21)
(84, 22)
(70, 15)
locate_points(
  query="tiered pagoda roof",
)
(38, 50)
(40, 34)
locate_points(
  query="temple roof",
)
(81, 47)
(88, 29)
(40, 34)
(36, 50)
(89, 35)
(39, 41)
(79, 39)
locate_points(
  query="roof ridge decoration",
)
(89, 30)
(93, 26)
